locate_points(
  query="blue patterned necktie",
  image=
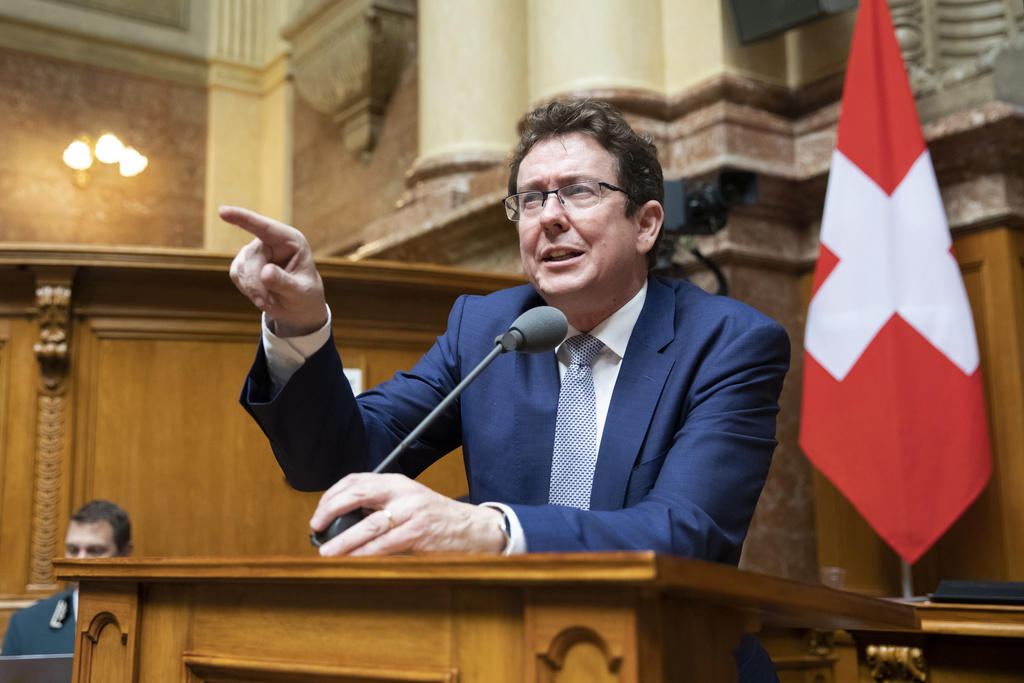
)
(575, 452)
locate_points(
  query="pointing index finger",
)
(268, 230)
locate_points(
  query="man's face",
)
(586, 262)
(86, 540)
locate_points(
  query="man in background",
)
(97, 529)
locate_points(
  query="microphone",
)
(537, 330)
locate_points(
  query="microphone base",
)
(340, 524)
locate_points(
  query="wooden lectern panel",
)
(622, 617)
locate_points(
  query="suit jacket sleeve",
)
(319, 432)
(29, 631)
(12, 637)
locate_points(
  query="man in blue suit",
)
(685, 384)
(97, 529)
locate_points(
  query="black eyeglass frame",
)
(509, 210)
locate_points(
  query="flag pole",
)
(908, 590)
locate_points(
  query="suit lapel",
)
(537, 374)
(638, 387)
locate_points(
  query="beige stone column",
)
(701, 43)
(249, 133)
(472, 73)
(595, 44)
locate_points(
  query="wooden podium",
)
(545, 617)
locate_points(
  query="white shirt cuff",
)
(285, 355)
(517, 541)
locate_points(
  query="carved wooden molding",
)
(896, 663)
(53, 305)
(819, 643)
(203, 667)
(100, 622)
(348, 56)
(86, 658)
(106, 642)
(46, 490)
(553, 661)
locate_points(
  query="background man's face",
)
(89, 540)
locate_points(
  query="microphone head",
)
(535, 331)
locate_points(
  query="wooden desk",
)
(956, 644)
(579, 617)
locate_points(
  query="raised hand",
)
(276, 271)
(405, 516)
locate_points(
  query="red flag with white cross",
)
(893, 412)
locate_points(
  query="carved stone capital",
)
(890, 663)
(949, 43)
(347, 58)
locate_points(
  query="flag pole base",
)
(908, 584)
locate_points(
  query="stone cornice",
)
(86, 49)
(249, 79)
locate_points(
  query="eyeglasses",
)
(583, 195)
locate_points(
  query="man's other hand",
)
(276, 271)
(405, 517)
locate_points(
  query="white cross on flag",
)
(893, 412)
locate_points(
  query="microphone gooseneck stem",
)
(443, 405)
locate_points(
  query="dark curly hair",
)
(636, 157)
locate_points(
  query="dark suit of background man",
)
(686, 386)
(98, 529)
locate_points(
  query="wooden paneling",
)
(846, 540)
(985, 543)
(18, 478)
(162, 433)
(160, 342)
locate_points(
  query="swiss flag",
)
(893, 412)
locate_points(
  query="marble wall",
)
(50, 102)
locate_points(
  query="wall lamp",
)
(80, 154)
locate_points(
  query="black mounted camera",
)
(696, 208)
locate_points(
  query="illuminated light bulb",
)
(78, 156)
(109, 149)
(132, 163)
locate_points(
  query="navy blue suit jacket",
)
(29, 631)
(683, 457)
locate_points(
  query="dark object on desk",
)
(36, 669)
(986, 592)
